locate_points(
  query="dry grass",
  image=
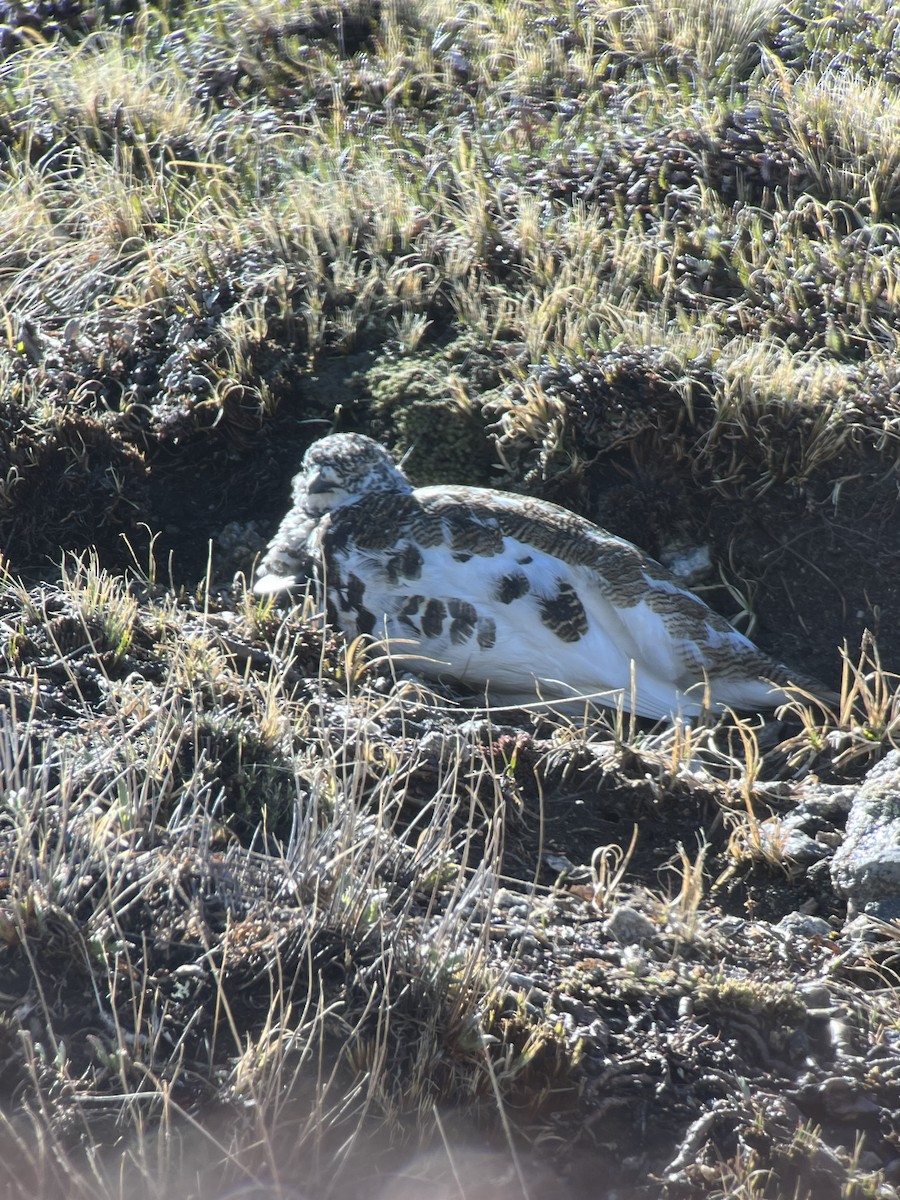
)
(847, 130)
(326, 982)
(240, 976)
(709, 39)
(269, 914)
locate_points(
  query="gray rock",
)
(690, 563)
(628, 926)
(800, 925)
(885, 909)
(826, 801)
(866, 868)
(803, 849)
(794, 844)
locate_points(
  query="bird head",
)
(341, 468)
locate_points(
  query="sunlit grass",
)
(846, 127)
(285, 921)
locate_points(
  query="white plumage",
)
(507, 592)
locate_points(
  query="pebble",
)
(814, 995)
(629, 926)
(690, 564)
(797, 924)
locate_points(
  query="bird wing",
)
(491, 587)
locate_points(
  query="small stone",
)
(629, 926)
(689, 563)
(829, 837)
(803, 849)
(558, 863)
(438, 746)
(799, 925)
(815, 995)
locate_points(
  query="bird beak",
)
(319, 484)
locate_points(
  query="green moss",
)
(750, 996)
(431, 405)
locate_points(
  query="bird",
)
(507, 592)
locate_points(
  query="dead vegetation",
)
(267, 913)
(274, 922)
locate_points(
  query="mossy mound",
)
(430, 406)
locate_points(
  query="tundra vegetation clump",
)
(276, 920)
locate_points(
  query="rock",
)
(825, 802)
(866, 868)
(801, 925)
(628, 926)
(782, 841)
(690, 564)
(803, 849)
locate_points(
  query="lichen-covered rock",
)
(866, 868)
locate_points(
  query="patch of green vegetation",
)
(248, 784)
(431, 406)
(774, 1001)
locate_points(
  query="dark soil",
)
(715, 1023)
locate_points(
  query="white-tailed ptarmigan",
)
(507, 592)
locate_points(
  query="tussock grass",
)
(274, 918)
(795, 411)
(846, 128)
(708, 39)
